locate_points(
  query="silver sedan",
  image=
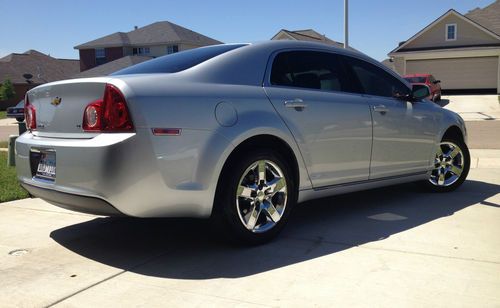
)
(239, 133)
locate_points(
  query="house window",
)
(100, 56)
(141, 51)
(172, 49)
(451, 32)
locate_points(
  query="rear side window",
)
(374, 80)
(308, 69)
(177, 62)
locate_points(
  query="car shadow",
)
(443, 102)
(189, 249)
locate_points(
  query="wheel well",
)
(454, 133)
(270, 142)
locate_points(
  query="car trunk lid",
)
(60, 106)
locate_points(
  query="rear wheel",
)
(451, 166)
(255, 196)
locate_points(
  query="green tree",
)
(7, 90)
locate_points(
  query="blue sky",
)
(55, 26)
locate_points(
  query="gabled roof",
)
(488, 17)
(44, 68)
(162, 32)
(308, 35)
(432, 24)
(113, 66)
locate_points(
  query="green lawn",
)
(9, 187)
(3, 114)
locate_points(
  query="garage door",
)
(459, 73)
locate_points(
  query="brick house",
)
(154, 40)
(42, 67)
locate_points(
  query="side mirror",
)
(420, 91)
(437, 81)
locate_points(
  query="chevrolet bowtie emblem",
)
(56, 101)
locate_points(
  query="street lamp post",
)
(346, 23)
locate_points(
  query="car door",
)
(404, 132)
(332, 128)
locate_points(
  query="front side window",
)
(308, 69)
(374, 80)
(451, 32)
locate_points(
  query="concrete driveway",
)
(386, 247)
(473, 107)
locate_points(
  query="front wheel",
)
(255, 197)
(451, 166)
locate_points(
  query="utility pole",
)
(346, 23)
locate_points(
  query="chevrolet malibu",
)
(238, 132)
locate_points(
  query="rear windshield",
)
(178, 61)
(416, 79)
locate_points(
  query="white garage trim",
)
(449, 53)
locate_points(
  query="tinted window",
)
(374, 80)
(415, 79)
(308, 69)
(177, 62)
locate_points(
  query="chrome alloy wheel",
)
(261, 196)
(448, 164)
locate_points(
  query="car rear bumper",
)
(134, 174)
(83, 204)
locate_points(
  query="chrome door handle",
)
(295, 103)
(380, 108)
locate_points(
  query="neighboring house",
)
(154, 40)
(389, 63)
(305, 35)
(462, 51)
(113, 66)
(42, 67)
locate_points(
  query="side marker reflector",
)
(166, 131)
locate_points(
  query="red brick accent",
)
(113, 53)
(87, 59)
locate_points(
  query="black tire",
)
(226, 215)
(465, 169)
(20, 119)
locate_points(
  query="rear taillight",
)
(109, 114)
(29, 114)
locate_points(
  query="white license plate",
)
(47, 166)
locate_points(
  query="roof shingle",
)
(113, 66)
(44, 68)
(162, 32)
(488, 17)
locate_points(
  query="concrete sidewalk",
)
(8, 122)
(485, 158)
(397, 246)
